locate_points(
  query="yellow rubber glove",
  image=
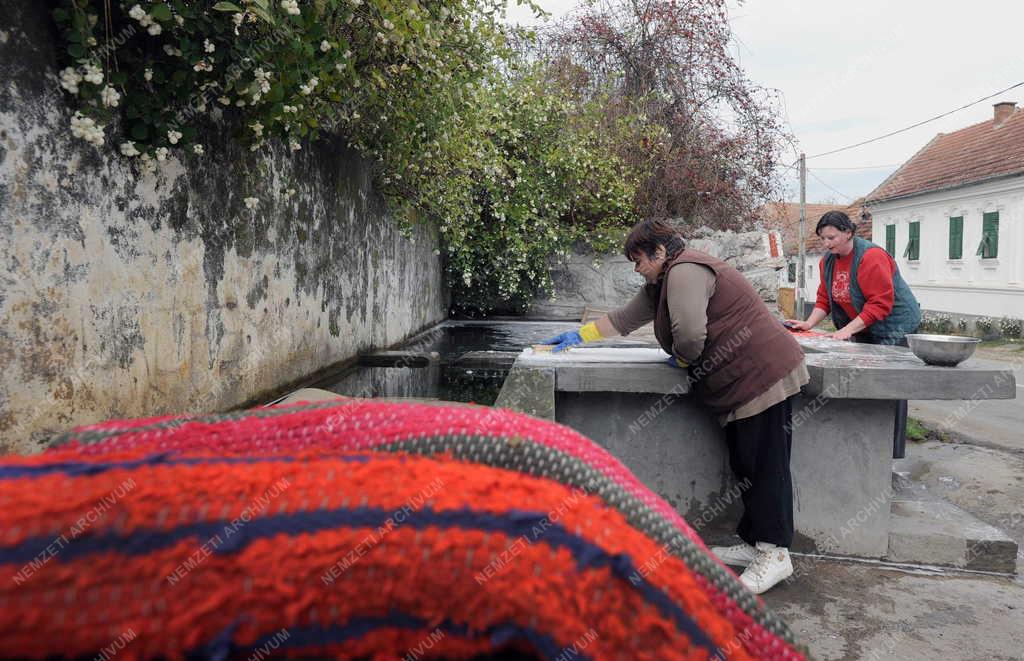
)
(589, 332)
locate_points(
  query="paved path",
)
(994, 422)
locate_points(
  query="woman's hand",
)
(797, 324)
(565, 340)
(841, 334)
(849, 330)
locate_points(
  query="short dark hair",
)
(648, 234)
(836, 219)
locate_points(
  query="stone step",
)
(936, 532)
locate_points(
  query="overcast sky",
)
(851, 71)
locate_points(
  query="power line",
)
(914, 126)
(864, 167)
(811, 172)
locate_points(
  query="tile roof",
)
(983, 151)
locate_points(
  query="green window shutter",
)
(989, 246)
(956, 237)
(913, 250)
(890, 239)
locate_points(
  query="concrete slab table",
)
(641, 409)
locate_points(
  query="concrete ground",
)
(855, 611)
(858, 610)
(995, 422)
(865, 611)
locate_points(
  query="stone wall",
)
(124, 294)
(608, 281)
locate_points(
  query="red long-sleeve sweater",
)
(874, 275)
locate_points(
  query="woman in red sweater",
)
(862, 289)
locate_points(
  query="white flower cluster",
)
(262, 81)
(172, 51)
(173, 136)
(291, 109)
(198, 149)
(325, 46)
(294, 145)
(308, 88)
(202, 65)
(161, 153)
(291, 6)
(69, 79)
(145, 20)
(110, 97)
(208, 46)
(148, 75)
(128, 149)
(1010, 327)
(93, 74)
(87, 129)
(340, 66)
(257, 128)
(251, 202)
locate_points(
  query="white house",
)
(953, 216)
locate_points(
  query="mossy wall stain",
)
(120, 294)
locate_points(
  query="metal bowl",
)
(944, 350)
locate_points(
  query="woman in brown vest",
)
(741, 362)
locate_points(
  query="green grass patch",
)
(916, 431)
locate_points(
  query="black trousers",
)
(759, 449)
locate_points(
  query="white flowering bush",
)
(459, 130)
(985, 325)
(937, 322)
(1010, 327)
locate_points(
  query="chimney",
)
(1003, 111)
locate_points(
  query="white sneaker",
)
(737, 555)
(770, 566)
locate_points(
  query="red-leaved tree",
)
(711, 155)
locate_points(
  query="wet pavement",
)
(857, 610)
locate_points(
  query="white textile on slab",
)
(593, 355)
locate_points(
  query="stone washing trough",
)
(846, 500)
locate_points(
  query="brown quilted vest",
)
(747, 350)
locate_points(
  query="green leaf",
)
(264, 14)
(76, 51)
(227, 6)
(161, 12)
(140, 131)
(60, 15)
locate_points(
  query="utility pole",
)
(800, 282)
